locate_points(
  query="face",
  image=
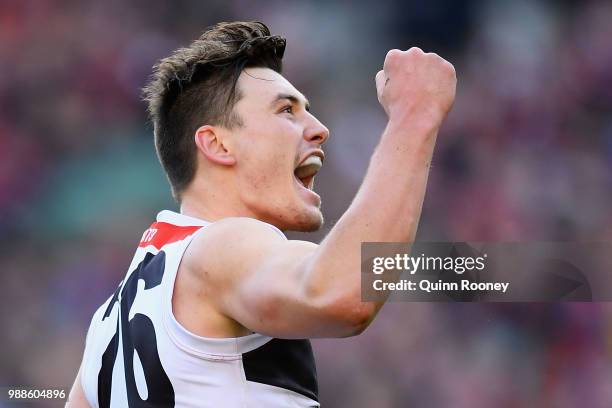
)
(277, 151)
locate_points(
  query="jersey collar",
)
(182, 220)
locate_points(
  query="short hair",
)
(196, 85)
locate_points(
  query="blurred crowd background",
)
(526, 155)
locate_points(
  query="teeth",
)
(312, 160)
(309, 167)
(306, 171)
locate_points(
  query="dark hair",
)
(196, 85)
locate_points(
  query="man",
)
(217, 303)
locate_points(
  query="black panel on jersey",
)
(111, 304)
(283, 363)
(137, 334)
(105, 375)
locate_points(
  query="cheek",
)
(265, 176)
(268, 156)
(266, 167)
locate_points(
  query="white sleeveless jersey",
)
(138, 355)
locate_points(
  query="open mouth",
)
(306, 171)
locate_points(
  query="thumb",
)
(380, 82)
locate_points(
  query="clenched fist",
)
(415, 85)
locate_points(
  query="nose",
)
(316, 132)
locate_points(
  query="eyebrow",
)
(293, 99)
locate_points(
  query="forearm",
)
(387, 208)
(388, 205)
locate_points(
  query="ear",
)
(208, 140)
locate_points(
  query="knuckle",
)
(450, 68)
(415, 51)
(393, 54)
(436, 59)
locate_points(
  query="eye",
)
(288, 109)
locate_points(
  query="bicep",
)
(272, 297)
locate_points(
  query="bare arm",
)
(297, 289)
(76, 398)
(417, 91)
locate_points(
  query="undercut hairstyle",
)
(196, 86)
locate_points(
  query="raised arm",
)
(297, 289)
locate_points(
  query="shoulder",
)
(235, 232)
(244, 225)
(231, 243)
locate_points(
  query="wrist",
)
(412, 138)
(424, 120)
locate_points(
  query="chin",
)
(309, 222)
(290, 215)
(306, 220)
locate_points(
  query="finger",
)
(391, 59)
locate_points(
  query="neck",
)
(208, 203)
